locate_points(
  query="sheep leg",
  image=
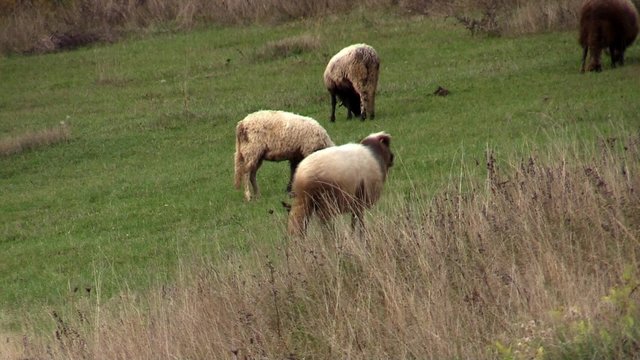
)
(254, 182)
(359, 87)
(333, 107)
(328, 229)
(595, 64)
(360, 200)
(357, 221)
(621, 57)
(246, 179)
(617, 56)
(613, 57)
(372, 107)
(364, 101)
(301, 212)
(585, 50)
(249, 179)
(293, 165)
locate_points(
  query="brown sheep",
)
(274, 136)
(340, 179)
(606, 24)
(352, 76)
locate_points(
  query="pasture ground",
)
(146, 179)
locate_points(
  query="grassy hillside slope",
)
(147, 175)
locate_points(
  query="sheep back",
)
(340, 179)
(607, 24)
(279, 135)
(352, 75)
(348, 168)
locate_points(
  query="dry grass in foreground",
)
(540, 260)
(34, 139)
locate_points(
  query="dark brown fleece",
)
(606, 24)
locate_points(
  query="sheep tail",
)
(241, 136)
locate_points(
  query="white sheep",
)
(274, 136)
(352, 76)
(340, 179)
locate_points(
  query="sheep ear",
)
(385, 139)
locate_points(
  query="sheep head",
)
(350, 99)
(380, 146)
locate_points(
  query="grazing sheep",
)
(352, 76)
(606, 24)
(340, 179)
(274, 136)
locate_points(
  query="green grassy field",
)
(147, 176)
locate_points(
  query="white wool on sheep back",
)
(340, 179)
(352, 76)
(274, 136)
(347, 166)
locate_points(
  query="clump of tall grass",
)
(286, 47)
(34, 139)
(538, 259)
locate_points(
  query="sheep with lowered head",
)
(352, 76)
(340, 179)
(606, 24)
(274, 136)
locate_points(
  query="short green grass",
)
(148, 175)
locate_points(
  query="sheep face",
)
(606, 24)
(380, 145)
(341, 179)
(351, 100)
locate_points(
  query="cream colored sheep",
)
(274, 136)
(340, 179)
(352, 76)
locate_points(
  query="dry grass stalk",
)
(35, 139)
(438, 278)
